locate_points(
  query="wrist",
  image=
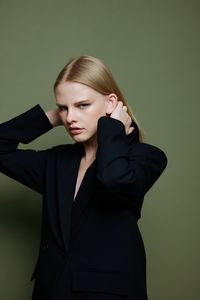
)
(53, 117)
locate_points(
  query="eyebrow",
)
(76, 103)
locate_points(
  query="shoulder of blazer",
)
(69, 149)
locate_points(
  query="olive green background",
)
(153, 50)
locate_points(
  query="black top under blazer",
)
(91, 248)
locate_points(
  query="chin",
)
(84, 138)
(79, 138)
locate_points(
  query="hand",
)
(54, 117)
(120, 113)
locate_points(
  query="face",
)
(80, 107)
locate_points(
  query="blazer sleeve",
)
(125, 169)
(25, 166)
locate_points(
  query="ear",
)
(111, 104)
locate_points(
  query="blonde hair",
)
(92, 72)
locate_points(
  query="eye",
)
(62, 108)
(83, 105)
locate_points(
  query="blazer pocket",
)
(116, 283)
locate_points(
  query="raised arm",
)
(25, 166)
(126, 167)
(54, 118)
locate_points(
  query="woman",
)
(92, 190)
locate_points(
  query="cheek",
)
(99, 112)
(93, 120)
(94, 117)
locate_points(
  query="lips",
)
(75, 130)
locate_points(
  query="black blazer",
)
(91, 248)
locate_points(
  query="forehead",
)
(74, 91)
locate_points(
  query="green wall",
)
(152, 48)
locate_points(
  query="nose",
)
(71, 116)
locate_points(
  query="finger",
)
(125, 108)
(118, 107)
(130, 130)
(119, 104)
(128, 119)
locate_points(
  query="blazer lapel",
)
(84, 194)
(67, 170)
